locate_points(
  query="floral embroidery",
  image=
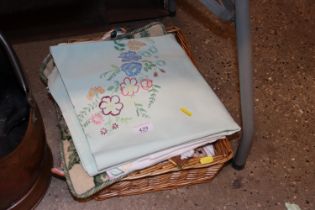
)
(129, 56)
(85, 113)
(131, 69)
(115, 126)
(129, 86)
(94, 91)
(146, 84)
(111, 105)
(139, 66)
(97, 119)
(135, 45)
(103, 131)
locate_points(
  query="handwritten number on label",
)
(144, 129)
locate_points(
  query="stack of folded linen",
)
(132, 103)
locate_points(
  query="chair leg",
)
(172, 7)
(245, 75)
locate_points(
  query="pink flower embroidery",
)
(115, 126)
(111, 105)
(103, 131)
(129, 86)
(146, 84)
(97, 119)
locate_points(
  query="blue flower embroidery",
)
(129, 56)
(131, 69)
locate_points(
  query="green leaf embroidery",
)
(117, 85)
(110, 88)
(86, 123)
(119, 49)
(118, 43)
(153, 93)
(141, 112)
(109, 75)
(148, 65)
(119, 46)
(104, 75)
(87, 110)
(160, 63)
(123, 120)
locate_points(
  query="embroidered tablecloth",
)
(126, 99)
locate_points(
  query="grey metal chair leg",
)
(172, 7)
(244, 55)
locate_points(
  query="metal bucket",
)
(25, 158)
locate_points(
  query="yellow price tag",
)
(206, 160)
(186, 111)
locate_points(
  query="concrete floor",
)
(281, 166)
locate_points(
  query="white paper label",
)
(143, 128)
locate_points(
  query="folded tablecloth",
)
(123, 100)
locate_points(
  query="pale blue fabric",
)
(80, 66)
(59, 93)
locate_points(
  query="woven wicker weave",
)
(166, 175)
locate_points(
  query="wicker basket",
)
(166, 175)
